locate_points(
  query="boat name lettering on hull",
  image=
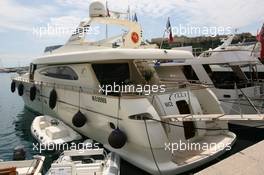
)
(180, 95)
(177, 95)
(99, 99)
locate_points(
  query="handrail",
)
(171, 85)
(228, 50)
(208, 53)
(89, 90)
(169, 80)
(57, 85)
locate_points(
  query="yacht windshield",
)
(226, 77)
(99, 32)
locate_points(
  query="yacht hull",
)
(137, 149)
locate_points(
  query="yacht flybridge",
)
(99, 24)
(109, 91)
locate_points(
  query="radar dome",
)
(97, 9)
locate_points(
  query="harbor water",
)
(15, 121)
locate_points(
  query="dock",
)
(14, 69)
(248, 161)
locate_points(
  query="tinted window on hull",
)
(189, 73)
(225, 79)
(60, 72)
(107, 74)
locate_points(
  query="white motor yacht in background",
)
(243, 49)
(250, 48)
(142, 122)
(86, 162)
(254, 73)
(234, 72)
(239, 92)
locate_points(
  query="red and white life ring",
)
(134, 37)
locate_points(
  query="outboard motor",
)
(19, 153)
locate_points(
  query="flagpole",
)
(128, 10)
(106, 26)
(162, 40)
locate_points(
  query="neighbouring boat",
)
(238, 92)
(248, 49)
(22, 167)
(233, 72)
(86, 162)
(143, 121)
(50, 131)
(232, 98)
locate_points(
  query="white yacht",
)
(233, 72)
(146, 122)
(238, 92)
(243, 49)
(86, 162)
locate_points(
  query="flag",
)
(260, 38)
(169, 30)
(135, 19)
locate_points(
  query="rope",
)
(118, 111)
(79, 104)
(250, 102)
(42, 100)
(240, 104)
(151, 149)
